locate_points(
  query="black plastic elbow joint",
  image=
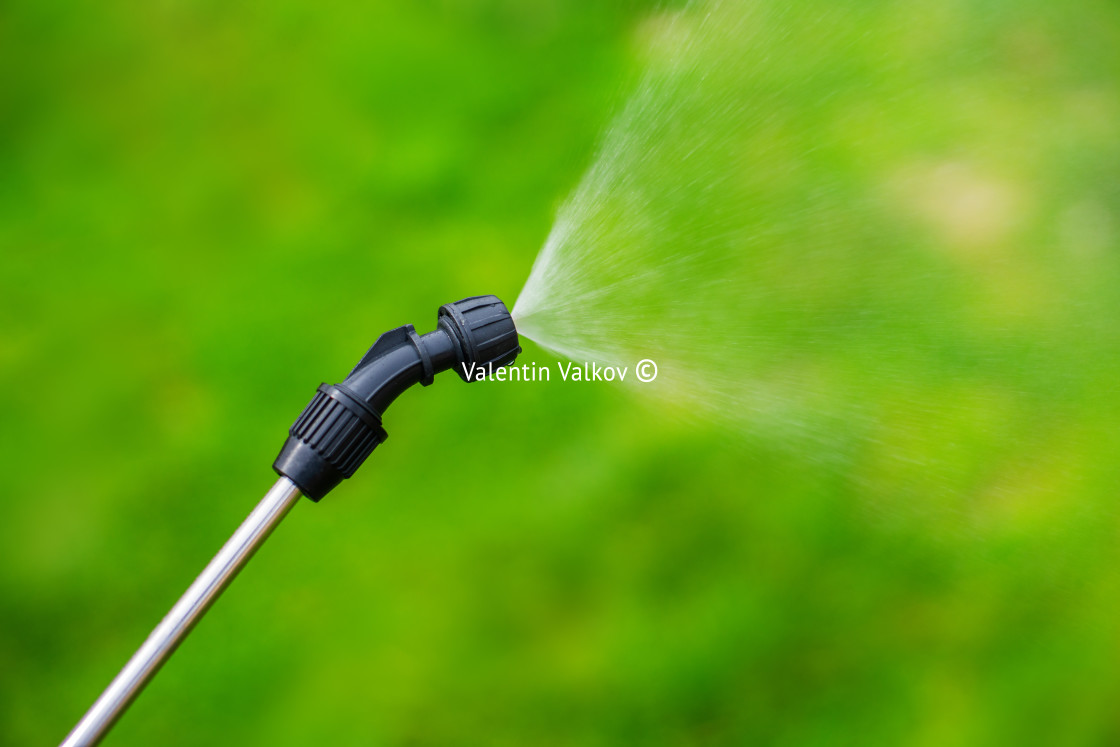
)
(342, 424)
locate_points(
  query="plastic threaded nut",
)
(329, 441)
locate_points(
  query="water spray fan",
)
(334, 435)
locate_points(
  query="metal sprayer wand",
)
(185, 614)
(328, 442)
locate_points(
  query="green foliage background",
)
(207, 208)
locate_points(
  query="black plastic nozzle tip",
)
(485, 331)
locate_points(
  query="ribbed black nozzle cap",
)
(485, 331)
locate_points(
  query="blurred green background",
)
(206, 209)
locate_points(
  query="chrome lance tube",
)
(185, 614)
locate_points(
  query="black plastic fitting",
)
(342, 424)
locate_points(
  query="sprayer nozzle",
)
(484, 328)
(342, 424)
